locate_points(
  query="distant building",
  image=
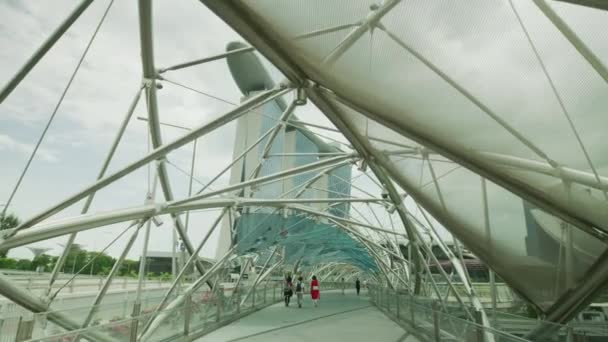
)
(160, 262)
(257, 229)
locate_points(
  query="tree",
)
(8, 263)
(102, 262)
(24, 265)
(128, 267)
(43, 260)
(76, 259)
(7, 222)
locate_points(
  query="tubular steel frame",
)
(384, 175)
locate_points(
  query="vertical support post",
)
(25, 329)
(579, 336)
(488, 231)
(436, 327)
(187, 314)
(397, 302)
(133, 332)
(493, 294)
(265, 290)
(218, 313)
(479, 326)
(238, 302)
(136, 309)
(412, 309)
(144, 252)
(274, 292)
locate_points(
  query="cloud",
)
(9, 144)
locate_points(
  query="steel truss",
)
(394, 270)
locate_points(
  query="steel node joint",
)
(148, 83)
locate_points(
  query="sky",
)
(87, 120)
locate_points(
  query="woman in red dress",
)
(314, 290)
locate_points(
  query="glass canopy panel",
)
(464, 77)
(303, 236)
(518, 239)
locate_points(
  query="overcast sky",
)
(78, 139)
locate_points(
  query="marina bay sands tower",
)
(255, 229)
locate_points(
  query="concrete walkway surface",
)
(339, 317)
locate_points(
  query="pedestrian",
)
(358, 286)
(314, 291)
(300, 291)
(343, 286)
(288, 290)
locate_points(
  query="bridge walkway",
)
(338, 317)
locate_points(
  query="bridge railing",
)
(428, 319)
(202, 312)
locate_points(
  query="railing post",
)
(187, 314)
(569, 333)
(265, 291)
(218, 313)
(388, 299)
(412, 309)
(397, 302)
(253, 297)
(133, 332)
(479, 321)
(221, 298)
(24, 329)
(238, 301)
(274, 292)
(135, 314)
(579, 336)
(436, 327)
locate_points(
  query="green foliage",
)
(7, 222)
(44, 260)
(128, 267)
(77, 260)
(24, 265)
(8, 263)
(97, 263)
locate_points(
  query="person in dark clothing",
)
(358, 286)
(300, 291)
(288, 290)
